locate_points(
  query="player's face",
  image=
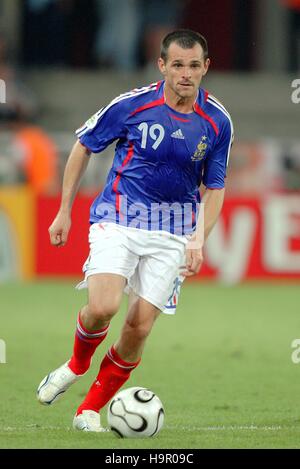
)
(183, 70)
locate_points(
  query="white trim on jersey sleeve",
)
(93, 121)
(216, 101)
(221, 108)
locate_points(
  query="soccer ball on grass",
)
(135, 413)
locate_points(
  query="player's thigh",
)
(132, 298)
(105, 293)
(141, 314)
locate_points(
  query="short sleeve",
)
(217, 161)
(104, 127)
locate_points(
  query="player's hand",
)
(194, 259)
(59, 229)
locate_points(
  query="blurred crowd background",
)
(62, 60)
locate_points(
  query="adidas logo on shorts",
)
(178, 134)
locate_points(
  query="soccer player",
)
(145, 232)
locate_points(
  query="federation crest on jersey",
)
(201, 149)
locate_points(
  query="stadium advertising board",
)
(17, 222)
(254, 238)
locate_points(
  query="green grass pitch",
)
(222, 368)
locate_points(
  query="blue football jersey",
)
(161, 158)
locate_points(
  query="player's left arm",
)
(212, 200)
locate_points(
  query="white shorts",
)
(151, 261)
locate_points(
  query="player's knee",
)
(138, 331)
(142, 333)
(103, 311)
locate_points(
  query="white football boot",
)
(55, 384)
(88, 421)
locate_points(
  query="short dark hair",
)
(185, 38)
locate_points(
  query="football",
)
(135, 413)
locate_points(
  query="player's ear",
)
(206, 66)
(161, 65)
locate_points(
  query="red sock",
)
(85, 345)
(113, 373)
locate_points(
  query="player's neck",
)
(178, 103)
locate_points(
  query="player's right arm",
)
(104, 127)
(74, 170)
